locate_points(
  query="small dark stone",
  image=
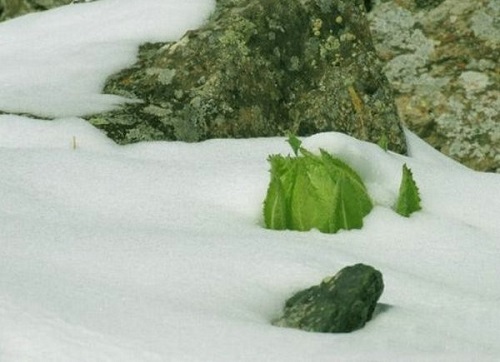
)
(340, 304)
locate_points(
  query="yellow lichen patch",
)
(358, 105)
(355, 99)
(316, 26)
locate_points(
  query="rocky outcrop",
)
(259, 68)
(340, 304)
(442, 60)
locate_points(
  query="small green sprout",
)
(409, 197)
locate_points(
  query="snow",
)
(157, 251)
(55, 63)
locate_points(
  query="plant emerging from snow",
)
(409, 197)
(320, 191)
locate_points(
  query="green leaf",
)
(275, 206)
(294, 143)
(383, 142)
(337, 167)
(300, 201)
(409, 197)
(276, 203)
(349, 209)
(311, 198)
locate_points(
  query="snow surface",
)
(156, 251)
(55, 63)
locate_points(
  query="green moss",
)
(262, 68)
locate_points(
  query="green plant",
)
(409, 197)
(314, 191)
(309, 191)
(383, 143)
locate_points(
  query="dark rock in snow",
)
(340, 304)
(259, 68)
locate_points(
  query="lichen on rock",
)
(259, 68)
(442, 60)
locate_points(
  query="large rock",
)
(259, 68)
(340, 304)
(442, 60)
(13, 8)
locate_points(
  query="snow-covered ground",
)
(156, 251)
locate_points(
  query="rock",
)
(13, 8)
(259, 68)
(442, 60)
(340, 304)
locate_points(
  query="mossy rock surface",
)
(259, 68)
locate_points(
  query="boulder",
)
(340, 304)
(13, 8)
(442, 60)
(259, 68)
